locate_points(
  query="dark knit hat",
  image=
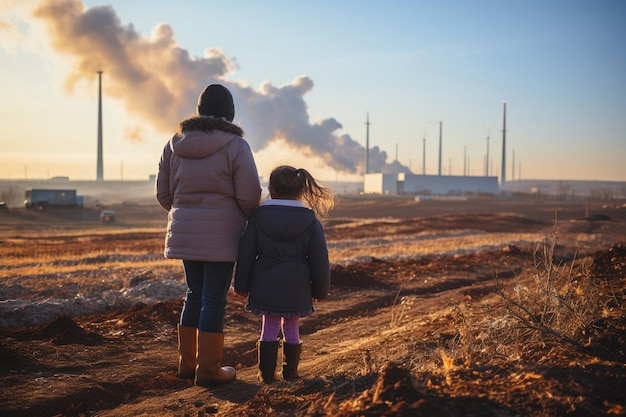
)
(216, 101)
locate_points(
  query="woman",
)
(208, 182)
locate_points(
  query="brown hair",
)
(287, 182)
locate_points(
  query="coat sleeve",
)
(319, 263)
(246, 257)
(162, 186)
(246, 180)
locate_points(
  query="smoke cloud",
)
(158, 80)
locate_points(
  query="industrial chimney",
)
(99, 170)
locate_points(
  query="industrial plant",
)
(401, 181)
(428, 185)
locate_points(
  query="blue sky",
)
(306, 74)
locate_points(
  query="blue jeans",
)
(205, 302)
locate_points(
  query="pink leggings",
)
(272, 326)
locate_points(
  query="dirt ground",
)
(409, 329)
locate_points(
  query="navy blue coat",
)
(283, 261)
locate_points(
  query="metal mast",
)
(367, 144)
(487, 157)
(440, 139)
(513, 166)
(464, 160)
(503, 178)
(99, 169)
(424, 156)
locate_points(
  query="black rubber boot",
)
(292, 359)
(268, 355)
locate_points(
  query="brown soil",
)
(398, 336)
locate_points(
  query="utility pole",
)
(99, 169)
(367, 144)
(503, 177)
(440, 140)
(513, 167)
(424, 155)
(464, 160)
(487, 157)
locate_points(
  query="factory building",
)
(403, 183)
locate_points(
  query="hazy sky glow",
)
(306, 74)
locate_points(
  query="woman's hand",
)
(243, 294)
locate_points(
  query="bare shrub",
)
(483, 335)
(551, 301)
(562, 303)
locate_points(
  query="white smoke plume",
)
(157, 80)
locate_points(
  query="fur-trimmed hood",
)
(200, 136)
(208, 123)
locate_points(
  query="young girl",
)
(283, 264)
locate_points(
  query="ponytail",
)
(320, 198)
(299, 184)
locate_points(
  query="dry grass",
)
(444, 243)
(557, 302)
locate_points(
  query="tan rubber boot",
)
(187, 351)
(209, 372)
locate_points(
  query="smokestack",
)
(99, 174)
(367, 144)
(503, 178)
(440, 138)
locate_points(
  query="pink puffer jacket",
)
(208, 182)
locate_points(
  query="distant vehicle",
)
(107, 216)
(41, 199)
(3, 206)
